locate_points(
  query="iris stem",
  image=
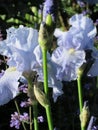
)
(35, 114)
(35, 109)
(30, 113)
(80, 95)
(46, 89)
(17, 107)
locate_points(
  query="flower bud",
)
(49, 20)
(40, 96)
(43, 36)
(35, 11)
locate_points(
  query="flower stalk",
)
(48, 108)
(34, 103)
(35, 114)
(80, 97)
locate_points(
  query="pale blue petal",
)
(94, 68)
(19, 47)
(80, 35)
(9, 86)
(52, 80)
(67, 63)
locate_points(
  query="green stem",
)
(80, 96)
(30, 113)
(48, 108)
(44, 52)
(17, 107)
(97, 83)
(35, 114)
(49, 117)
(80, 93)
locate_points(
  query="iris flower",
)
(80, 35)
(67, 63)
(9, 85)
(19, 46)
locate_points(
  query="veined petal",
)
(52, 80)
(19, 47)
(68, 62)
(80, 35)
(9, 86)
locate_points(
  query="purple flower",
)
(85, 12)
(40, 119)
(50, 7)
(89, 1)
(24, 117)
(15, 121)
(96, 22)
(25, 103)
(23, 88)
(81, 4)
(94, 128)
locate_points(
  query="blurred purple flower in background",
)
(81, 4)
(40, 119)
(89, 1)
(50, 7)
(16, 119)
(24, 117)
(23, 88)
(25, 103)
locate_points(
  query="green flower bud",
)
(40, 96)
(49, 21)
(35, 11)
(43, 36)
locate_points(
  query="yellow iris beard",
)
(72, 50)
(10, 69)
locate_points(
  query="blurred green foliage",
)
(26, 12)
(15, 12)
